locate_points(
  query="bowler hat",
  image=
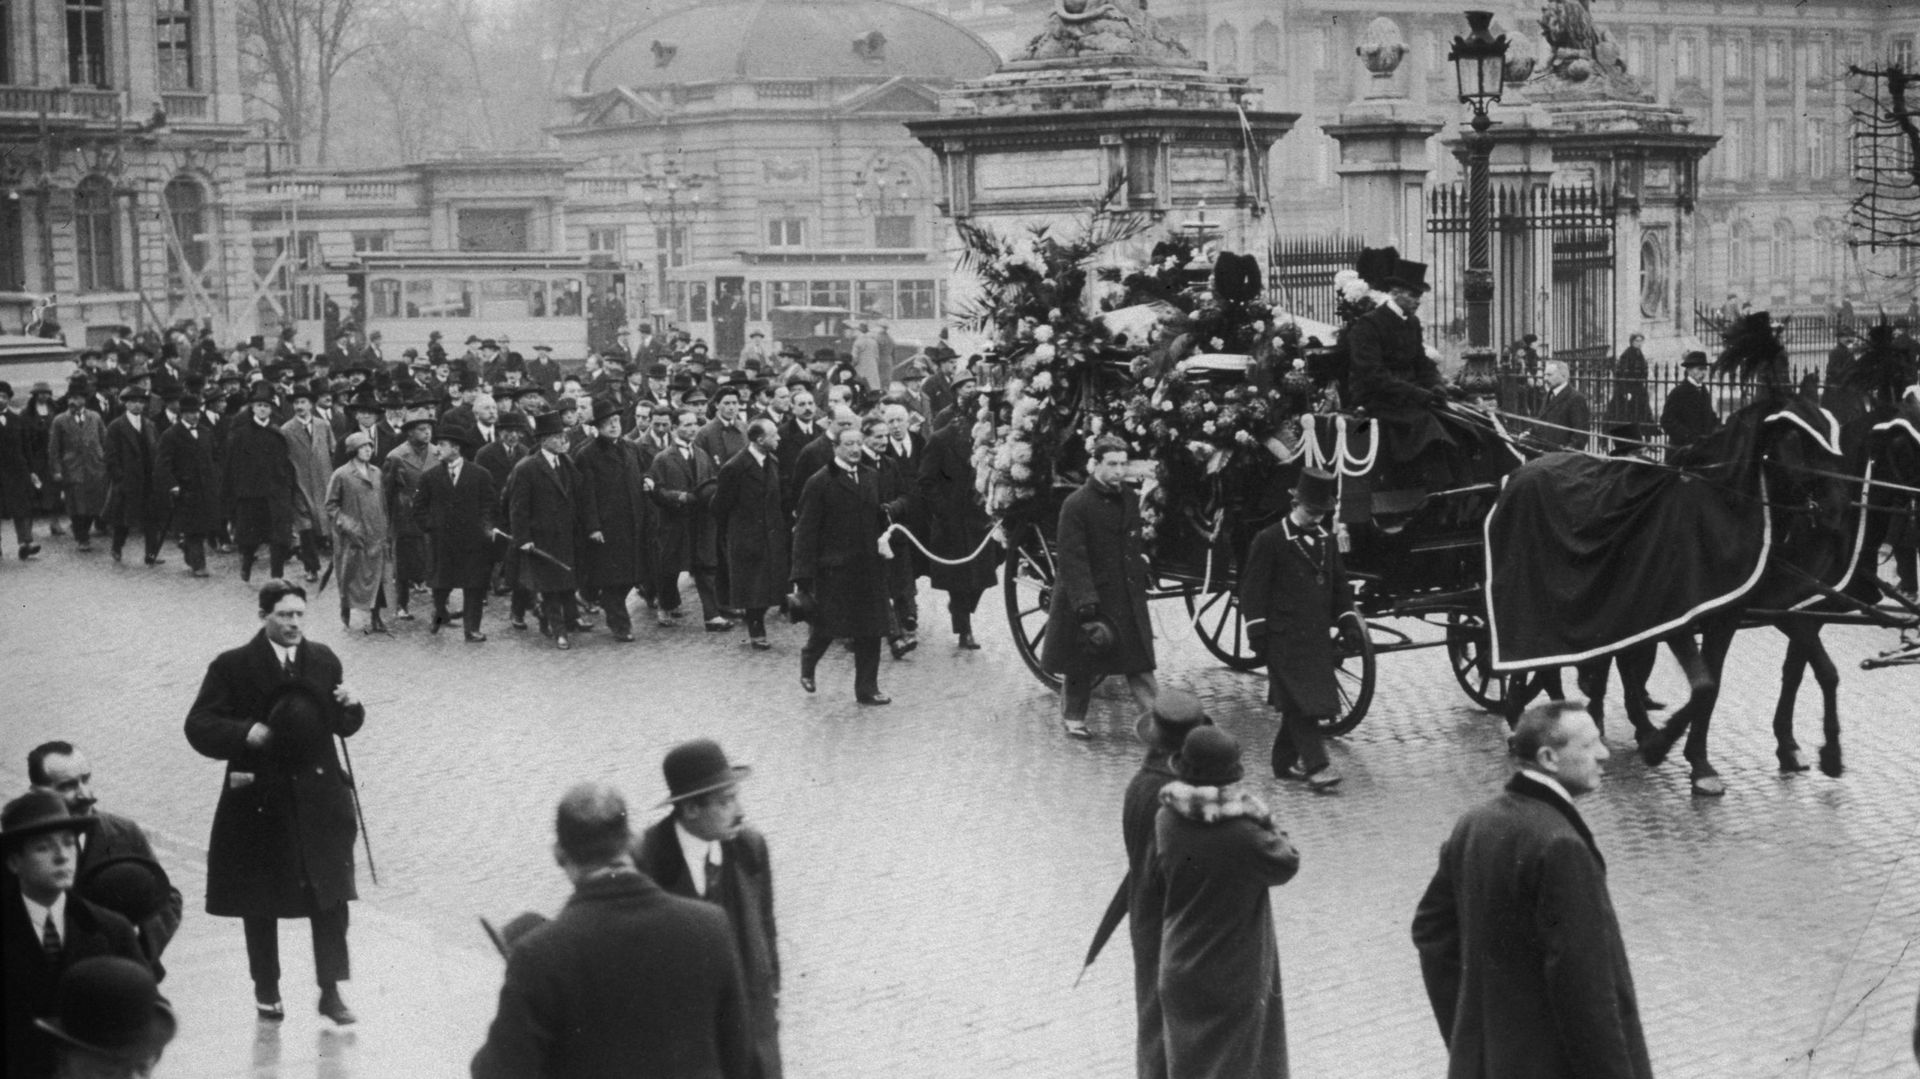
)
(364, 401)
(490, 343)
(1175, 714)
(604, 407)
(111, 1006)
(698, 767)
(1695, 358)
(262, 391)
(130, 885)
(37, 812)
(1210, 757)
(514, 421)
(299, 719)
(134, 393)
(1316, 490)
(457, 433)
(656, 370)
(6, 388)
(548, 424)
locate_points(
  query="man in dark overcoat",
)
(706, 833)
(45, 926)
(256, 480)
(77, 456)
(18, 483)
(684, 480)
(1688, 415)
(747, 507)
(1293, 593)
(545, 496)
(402, 470)
(617, 521)
(1565, 415)
(1629, 409)
(899, 491)
(454, 507)
(1097, 623)
(839, 568)
(1518, 942)
(627, 981)
(498, 458)
(184, 470)
(956, 524)
(133, 501)
(282, 840)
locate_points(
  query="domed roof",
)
(792, 39)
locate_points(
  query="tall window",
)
(672, 244)
(173, 36)
(611, 240)
(1776, 59)
(1733, 150)
(1901, 51)
(187, 247)
(1637, 56)
(96, 245)
(87, 43)
(1819, 153)
(1776, 149)
(1226, 48)
(1780, 257)
(893, 230)
(372, 240)
(1319, 48)
(786, 232)
(6, 42)
(1686, 57)
(1736, 58)
(917, 299)
(1266, 47)
(1816, 58)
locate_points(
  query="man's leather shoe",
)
(28, 551)
(719, 625)
(967, 642)
(1077, 730)
(403, 615)
(116, 553)
(898, 647)
(760, 644)
(518, 623)
(438, 621)
(622, 636)
(476, 638)
(806, 682)
(201, 573)
(876, 698)
(156, 560)
(582, 625)
(336, 1009)
(562, 643)
(267, 1006)
(664, 621)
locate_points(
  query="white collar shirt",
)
(37, 915)
(1550, 783)
(699, 854)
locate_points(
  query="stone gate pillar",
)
(1383, 151)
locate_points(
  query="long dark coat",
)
(544, 506)
(746, 894)
(282, 841)
(16, 472)
(956, 520)
(1146, 902)
(620, 511)
(683, 488)
(77, 453)
(185, 462)
(1219, 964)
(1630, 403)
(1521, 950)
(747, 504)
(256, 466)
(32, 982)
(836, 545)
(1100, 561)
(899, 491)
(1392, 378)
(1688, 415)
(1568, 408)
(1296, 601)
(627, 981)
(131, 496)
(36, 431)
(457, 519)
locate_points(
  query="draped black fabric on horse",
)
(1586, 555)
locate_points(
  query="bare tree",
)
(296, 49)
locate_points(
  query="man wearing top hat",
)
(1688, 415)
(748, 508)
(404, 467)
(47, 928)
(1294, 594)
(454, 507)
(616, 518)
(132, 500)
(116, 861)
(184, 472)
(310, 449)
(257, 481)
(544, 498)
(1392, 377)
(704, 849)
(282, 838)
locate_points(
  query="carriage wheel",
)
(1028, 588)
(1353, 675)
(1217, 621)
(1468, 654)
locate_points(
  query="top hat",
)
(1408, 275)
(262, 391)
(134, 887)
(1176, 713)
(37, 812)
(111, 1006)
(548, 424)
(1376, 266)
(1236, 277)
(698, 767)
(1210, 757)
(1316, 489)
(1696, 358)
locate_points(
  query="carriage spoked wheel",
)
(1469, 655)
(1028, 589)
(1354, 672)
(1218, 623)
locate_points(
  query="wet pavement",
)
(940, 864)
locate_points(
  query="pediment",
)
(622, 106)
(896, 95)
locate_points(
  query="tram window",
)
(566, 298)
(832, 294)
(697, 301)
(756, 310)
(916, 300)
(876, 299)
(536, 298)
(787, 293)
(383, 297)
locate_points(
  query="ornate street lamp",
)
(1479, 63)
(671, 198)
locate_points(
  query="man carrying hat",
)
(404, 467)
(46, 927)
(617, 518)
(1688, 415)
(282, 839)
(184, 471)
(109, 1021)
(454, 507)
(112, 847)
(132, 502)
(545, 495)
(1293, 594)
(703, 849)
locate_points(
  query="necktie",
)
(287, 664)
(50, 943)
(712, 889)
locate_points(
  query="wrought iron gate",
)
(1553, 269)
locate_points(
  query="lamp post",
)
(1479, 63)
(671, 196)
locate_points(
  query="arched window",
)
(1226, 48)
(1780, 258)
(186, 217)
(96, 246)
(1266, 47)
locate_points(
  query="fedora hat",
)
(112, 1007)
(1316, 489)
(604, 407)
(1210, 757)
(37, 813)
(515, 421)
(548, 424)
(457, 433)
(130, 885)
(698, 767)
(1175, 714)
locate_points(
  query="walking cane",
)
(353, 784)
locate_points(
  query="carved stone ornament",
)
(1118, 28)
(1584, 60)
(1381, 48)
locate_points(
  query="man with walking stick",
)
(282, 842)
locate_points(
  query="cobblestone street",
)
(942, 863)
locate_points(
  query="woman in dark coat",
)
(1218, 851)
(746, 503)
(620, 514)
(1100, 590)
(956, 523)
(36, 430)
